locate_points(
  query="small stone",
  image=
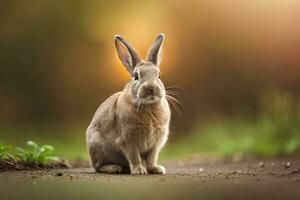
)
(251, 173)
(296, 171)
(288, 164)
(58, 174)
(261, 164)
(272, 164)
(201, 169)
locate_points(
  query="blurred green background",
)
(237, 62)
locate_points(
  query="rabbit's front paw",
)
(156, 169)
(140, 169)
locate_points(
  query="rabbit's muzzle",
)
(150, 93)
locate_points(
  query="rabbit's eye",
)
(136, 76)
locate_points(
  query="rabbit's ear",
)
(127, 54)
(155, 53)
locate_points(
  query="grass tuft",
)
(34, 156)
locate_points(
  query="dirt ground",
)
(251, 179)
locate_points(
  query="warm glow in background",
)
(58, 60)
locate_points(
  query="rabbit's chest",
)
(150, 134)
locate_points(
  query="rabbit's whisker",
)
(173, 90)
(132, 104)
(175, 86)
(172, 93)
(174, 102)
(138, 107)
(174, 106)
(169, 95)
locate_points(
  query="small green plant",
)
(36, 154)
(4, 153)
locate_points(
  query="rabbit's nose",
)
(150, 91)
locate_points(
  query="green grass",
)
(5, 154)
(275, 132)
(266, 136)
(32, 155)
(69, 143)
(35, 154)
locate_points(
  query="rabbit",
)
(130, 128)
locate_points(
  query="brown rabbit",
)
(130, 127)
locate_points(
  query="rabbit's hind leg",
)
(105, 159)
(96, 152)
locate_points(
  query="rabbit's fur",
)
(130, 127)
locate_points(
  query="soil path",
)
(254, 179)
